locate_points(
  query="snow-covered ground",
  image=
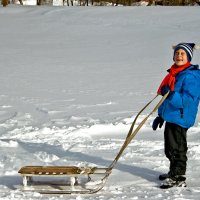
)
(71, 81)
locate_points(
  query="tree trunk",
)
(4, 3)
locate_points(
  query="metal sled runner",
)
(82, 180)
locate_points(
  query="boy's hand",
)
(157, 121)
(165, 89)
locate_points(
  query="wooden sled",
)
(75, 185)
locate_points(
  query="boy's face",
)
(180, 57)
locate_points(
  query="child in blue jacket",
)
(179, 110)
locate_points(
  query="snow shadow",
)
(10, 181)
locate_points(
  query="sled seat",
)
(55, 171)
(60, 170)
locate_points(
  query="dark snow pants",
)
(176, 148)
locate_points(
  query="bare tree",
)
(4, 3)
(72, 3)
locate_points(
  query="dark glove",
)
(165, 89)
(157, 121)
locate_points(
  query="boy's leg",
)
(175, 151)
(176, 148)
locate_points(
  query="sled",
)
(77, 179)
(82, 180)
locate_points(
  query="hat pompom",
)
(196, 46)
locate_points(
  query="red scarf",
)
(170, 79)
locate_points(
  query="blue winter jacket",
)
(182, 105)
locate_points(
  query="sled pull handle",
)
(131, 134)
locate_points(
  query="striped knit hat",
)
(187, 47)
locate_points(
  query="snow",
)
(73, 79)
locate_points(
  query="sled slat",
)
(60, 170)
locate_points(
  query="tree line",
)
(110, 2)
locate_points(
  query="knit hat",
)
(187, 47)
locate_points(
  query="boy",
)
(179, 111)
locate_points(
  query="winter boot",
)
(176, 181)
